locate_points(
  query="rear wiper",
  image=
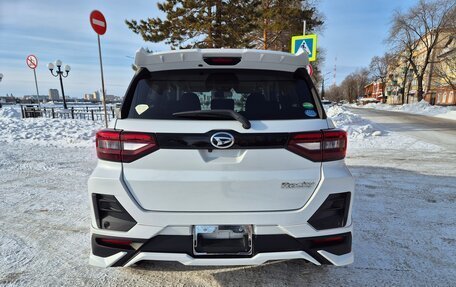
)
(216, 114)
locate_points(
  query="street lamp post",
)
(59, 73)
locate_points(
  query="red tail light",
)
(122, 146)
(108, 145)
(325, 145)
(334, 144)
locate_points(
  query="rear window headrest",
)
(189, 102)
(222, 104)
(255, 101)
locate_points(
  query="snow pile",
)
(421, 108)
(356, 126)
(45, 131)
(10, 112)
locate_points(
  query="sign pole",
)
(99, 25)
(32, 63)
(36, 85)
(102, 83)
(304, 27)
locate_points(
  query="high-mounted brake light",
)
(122, 146)
(324, 145)
(222, 61)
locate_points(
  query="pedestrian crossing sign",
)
(307, 44)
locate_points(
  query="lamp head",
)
(51, 66)
(58, 63)
(67, 68)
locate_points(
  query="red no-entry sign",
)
(98, 22)
(32, 61)
(310, 69)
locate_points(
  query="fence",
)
(84, 113)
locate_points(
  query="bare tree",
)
(407, 71)
(378, 68)
(334, 93)
(446, 66)
(353, 85)
(417, 31)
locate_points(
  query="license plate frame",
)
(222, 240)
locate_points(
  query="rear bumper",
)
(266, 248)
(291, 226)
(335, 178)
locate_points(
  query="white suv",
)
(221, 157)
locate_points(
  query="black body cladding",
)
(110, 214)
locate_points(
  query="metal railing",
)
(94, 113)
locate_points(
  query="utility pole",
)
(322, 89)
(322, 94)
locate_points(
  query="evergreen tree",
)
(202, 24)
(282, 19)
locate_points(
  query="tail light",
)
(324, 145)
(122, 146)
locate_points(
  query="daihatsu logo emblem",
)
(222, 140)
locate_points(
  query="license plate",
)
(222, 239)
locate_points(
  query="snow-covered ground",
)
(364, 134)
(422, 108)
(46, 132)
(404, 215)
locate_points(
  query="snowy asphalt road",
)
(434, 130)
(404, 216)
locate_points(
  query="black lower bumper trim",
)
(261, 244)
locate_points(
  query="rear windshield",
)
(258, 95)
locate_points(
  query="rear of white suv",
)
(221, 157)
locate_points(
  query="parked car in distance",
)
(221, 157)
(327, 103)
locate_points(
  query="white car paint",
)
(169, 191)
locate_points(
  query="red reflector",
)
(222, 61)
(324, 145)
(329, 240)
(115, 242)
(122, 146)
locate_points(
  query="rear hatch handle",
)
(215, 114)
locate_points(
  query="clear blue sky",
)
(56, 29)
(355, 31)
